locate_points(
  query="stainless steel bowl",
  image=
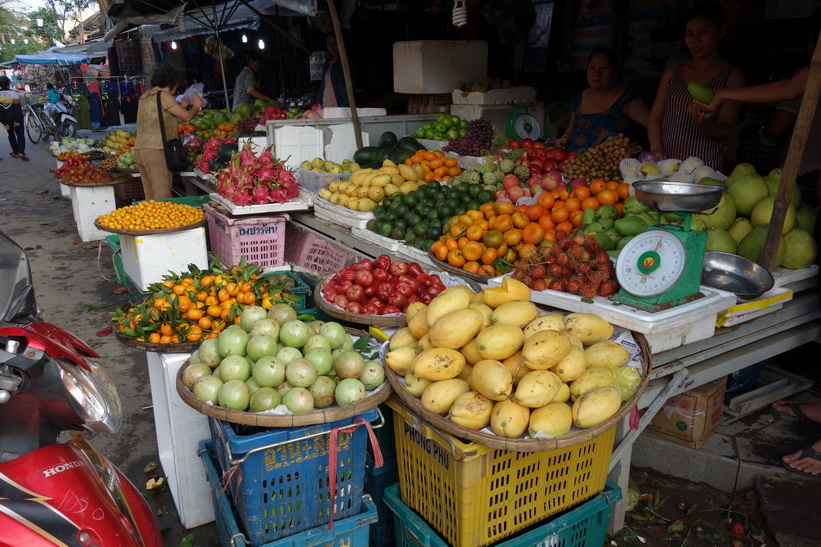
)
(735, 274)
(677, 197)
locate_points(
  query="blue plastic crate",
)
(281, 485)
(352, 531)
(377, 479)
(583, 526)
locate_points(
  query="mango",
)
(606, 354)
(455, 329)
(418, 324)
(416, 386)
(424, 343)
(486, 310)
(499, 341)
(517, 313)
(700, 92)
(592, 378)
(452, 299)
(590, 328)
(492, 379)
(466, 372)
(471, 410)
(471, 352)
(563, 395)
(515, 363)
(413, 308)
(401, 360)
(438, 364)
(630, 226)
(402, 337)
(571, 366)
(509, 291)
(574, 340)
(553, 419)
(440, 396)
(509, 419)
(537, 388)
(548, 321)
(596, 407)
(545, 349)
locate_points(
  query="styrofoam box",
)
(146, 259)
(435, 66)
(258, 144)
(88, 203)
(179, 429)
(512, 95)
(664, 330)
(294, 144)
(345, 112)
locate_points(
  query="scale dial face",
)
(651, 263)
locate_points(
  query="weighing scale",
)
(661, 268)
(523, 126)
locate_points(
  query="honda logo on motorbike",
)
(61, 468)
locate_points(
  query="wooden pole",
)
(346, 69)
(795, 152)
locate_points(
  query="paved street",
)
(74, 283)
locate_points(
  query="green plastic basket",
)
(582, 526)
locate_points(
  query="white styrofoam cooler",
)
(146, 259)
(345, 112)
(87, 204)
(180, 429)
(306, 141)
(664, 330)
(435, 66)
(65, 191)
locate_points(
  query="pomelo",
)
(747, 192)
(801, 249)
(752, 246)
(741, 170)
(740, 228)
(719, 239)
(805, 216)
(723, 216)
(764, 211)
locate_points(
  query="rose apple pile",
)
(78, 170)
(381, 287)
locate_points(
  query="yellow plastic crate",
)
(474, 495)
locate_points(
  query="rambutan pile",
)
(576, 265)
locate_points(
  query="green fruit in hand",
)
(700, 92)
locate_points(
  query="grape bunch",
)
(247, 124)
(479, 137)
(600, 161)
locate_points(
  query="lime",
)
(421, 229)
(485, 196)
(474, 204)
(397, 233)
(474, 190)
(434, 231)
(410, 237)
(400, 224)
(371, 225)
(385, 229)
(390, 217)
(411, 199)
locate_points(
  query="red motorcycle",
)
(50, 493)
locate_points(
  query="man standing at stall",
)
(245, 88)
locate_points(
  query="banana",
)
(408, 173)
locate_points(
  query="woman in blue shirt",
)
(605, 108)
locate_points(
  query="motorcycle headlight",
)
(93, 396)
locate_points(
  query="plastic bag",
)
(193, 143)
(193, 90)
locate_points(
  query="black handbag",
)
(176, 157)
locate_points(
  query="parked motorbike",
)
(63, 115)
(57, 493)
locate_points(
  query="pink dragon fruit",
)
(261, 195)
(279, 195)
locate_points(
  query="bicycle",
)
(39, 125)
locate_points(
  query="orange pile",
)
(436, 165)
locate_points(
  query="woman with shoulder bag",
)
(150, 144)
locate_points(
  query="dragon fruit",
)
(262, 179)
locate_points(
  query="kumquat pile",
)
(151, 215)
(198, 305)
(436, 165)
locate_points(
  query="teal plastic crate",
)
(281, 484)
(113, 242)
(351, 531)
(300, 290)
(583, 526)
(377, 479)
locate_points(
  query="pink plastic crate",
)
(259, 238)
(312, 252)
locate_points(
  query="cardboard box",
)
(436, 66)
(691, 417)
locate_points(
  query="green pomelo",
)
(269, 371)
(209, 354)
(741, 170)
(207, 388)
(286, 354)
(723, 216)
(323, 391)
(232, 341)
(193, 373)
(268, 327)
(747, 192)
(719, 239)
(773, 179)
(335, 333)
(763, 212)
(801, 249)
(251, 315)
(321, 359)
(316, 341)
(806, 218)
(740, 228)
(235, 367)
(282, 313)
(295, 333)
(298, 400)
(752, 246)
(265, 398)
(252, 384)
